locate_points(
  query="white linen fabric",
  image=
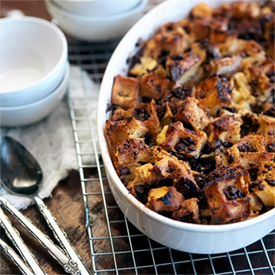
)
(51, 140)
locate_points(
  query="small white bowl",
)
(33, 54)
(95, 28)
(97, 8)
(33, 112)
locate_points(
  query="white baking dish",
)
(182, 236)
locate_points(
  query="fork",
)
(15, 258)
(16, 239)
(56, 252)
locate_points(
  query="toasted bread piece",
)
(214, 93)
(188, 211)
(118, 131)
(132, 150)
(170, 39)
(164, 199)
(267, 125)
(147, 113)
(226, 128)
(227, 195)
(184, 68)
(226, 65)
(125, 91)
(189, 112)
(175, 138)
(154, 87)
(250, 151)
(264, 187)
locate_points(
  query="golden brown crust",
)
(125, 91)
(192, 130)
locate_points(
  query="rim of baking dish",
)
(101, 119)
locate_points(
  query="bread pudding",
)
(192, 129)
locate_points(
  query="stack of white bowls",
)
(34, 69)
(95, 20)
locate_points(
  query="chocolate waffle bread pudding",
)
(192, 127)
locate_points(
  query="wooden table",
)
(66, 203)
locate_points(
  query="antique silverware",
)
(22, 175)
(15, 258)
(15, 237)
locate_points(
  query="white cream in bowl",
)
(33, 56)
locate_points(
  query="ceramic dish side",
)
(97, 8)
(95, 28)
(193, 238)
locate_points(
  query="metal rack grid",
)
(126, 250)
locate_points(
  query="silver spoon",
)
(22, 175)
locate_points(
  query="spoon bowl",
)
(20, 172)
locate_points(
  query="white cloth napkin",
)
(51, 140)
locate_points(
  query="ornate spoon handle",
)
(61, 236)
(15, 258)
(67, 263)
(15, 237)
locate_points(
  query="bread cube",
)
(132, 150)
(125, 91)
(189, 112)
(226, 66)
(154, 87)
(145, 65)
(117, 132)
(227, 194)
(183, 68)
(182, 141)
(188, 211)
(164, 199)
(250, 151)
(213, 94)
(170, 39)
(264, 187)
(267, 122)
(226, 128)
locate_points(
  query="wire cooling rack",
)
(116, 246)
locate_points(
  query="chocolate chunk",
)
(232, 193)
(271, 76)
(253, 174)
(270, 181)
(139, 189)
(180, 147)
(261, 186)
(141, 114)
(182, 92)
(246, 148)
(192, 148)
(227, 144)
(231, 158)
(268, 167)
(125, 171)
(255, 183)
(271, 147)
(270, 111)
(177, 57)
